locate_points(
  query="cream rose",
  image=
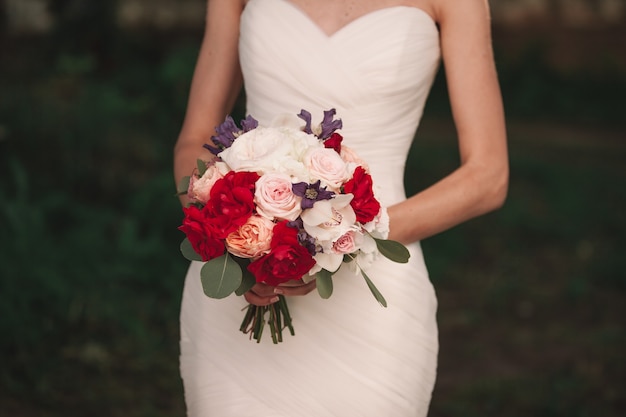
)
(325, 164)
(251, 240)
(275, 199)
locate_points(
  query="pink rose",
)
(275, 199)
(325, 164)
(200, 188)
(348, 155)
(251, 240)
(346, 243)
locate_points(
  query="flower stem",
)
(254, 320)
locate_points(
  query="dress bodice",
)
(376, 71)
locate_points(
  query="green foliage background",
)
(531, 297)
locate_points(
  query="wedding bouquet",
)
(280, 203)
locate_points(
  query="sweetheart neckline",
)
(352, 22)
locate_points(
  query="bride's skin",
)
(477, 186)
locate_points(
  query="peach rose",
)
(275, 199)
(348, 155)
(325, 164)
(251, 240)
(200, 188)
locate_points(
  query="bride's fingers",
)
(263, 290)
(293, 283)
(263, 294)
(259, 300)
(301, 289)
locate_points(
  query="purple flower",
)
(329, 125)
(306, 116)
(304, 238)
(249, 123)
(326, 128)
(228, 131)
(311, 193)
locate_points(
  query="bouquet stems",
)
(279, 318)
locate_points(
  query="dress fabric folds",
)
(350, 356)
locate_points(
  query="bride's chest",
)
(330, 16)
(388, 40)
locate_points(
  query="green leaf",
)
(379, 297)
(188, 251)
(393, 250)
(201, 167)
(220, 277)
(248, 280)
(183, 186)
(324, 283)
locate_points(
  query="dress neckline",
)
(358, 20)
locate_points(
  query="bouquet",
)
(280, 203)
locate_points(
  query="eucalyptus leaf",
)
(393, 250)
(324, 283)
(248, 280)
(201, 167)
(183, 186)
(220, 277)
(379, 297)
(188, 251)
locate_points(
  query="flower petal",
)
(329, 261)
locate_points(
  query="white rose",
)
(270, 149)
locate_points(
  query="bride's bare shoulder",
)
(224, 11)
(226, 4)
(471, 9)
(427, 6)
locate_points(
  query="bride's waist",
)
(388, 183)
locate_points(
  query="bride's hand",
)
(263, 294)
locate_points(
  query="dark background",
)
(531, 297)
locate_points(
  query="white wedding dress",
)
(350, 357)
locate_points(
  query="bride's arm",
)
(480, 183)
(215, 85)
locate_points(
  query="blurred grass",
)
(531, 297)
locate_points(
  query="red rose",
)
(364, 204)
(231, 202)
(197, 226)
(334, 141)
(244, 179)
(287, 259)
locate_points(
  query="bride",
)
(374, 61)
